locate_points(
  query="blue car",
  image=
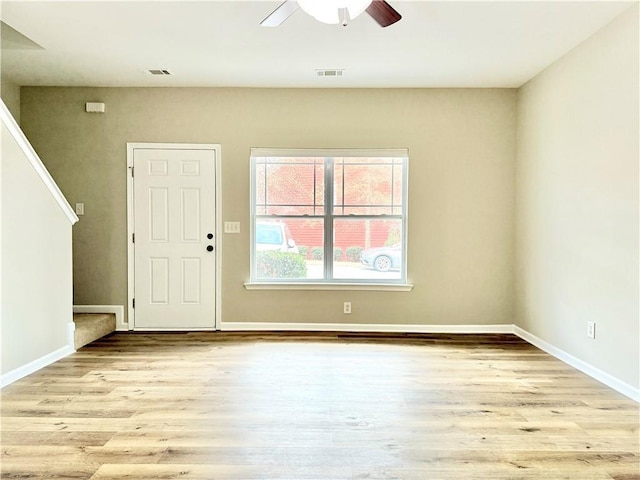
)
(382, 259)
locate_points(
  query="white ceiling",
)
(220, 43)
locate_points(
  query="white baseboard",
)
(36, 365)
(364, 327)
(596, 373)
(593, 372)
(71, 334)
(121, 326)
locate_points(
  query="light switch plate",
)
(231, 227)
(79, 208)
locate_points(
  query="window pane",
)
(319, 198)
(367, 249)
(366, 186)
(398, 180)
(289, 186)
(261, 179)
(289, 249)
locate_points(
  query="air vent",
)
(330, 73)
(158, 71)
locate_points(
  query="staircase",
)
(92, 326)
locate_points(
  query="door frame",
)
(131, 146)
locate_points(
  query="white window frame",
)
(328, 282)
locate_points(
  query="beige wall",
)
(462, 147)
(577, 201)
(10, 93)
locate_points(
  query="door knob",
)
(209, 248)
(209, 236)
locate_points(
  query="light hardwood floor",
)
(315, 406)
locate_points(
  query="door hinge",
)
(133, 238)
(134, 303)
(132, 171)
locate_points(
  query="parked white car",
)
(274, 236)
(382, 259)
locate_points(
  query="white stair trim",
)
(20, 138)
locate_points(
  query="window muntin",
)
(343, 211)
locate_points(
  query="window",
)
(328, 216)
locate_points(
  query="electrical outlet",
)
(591, 329)
(347, 307)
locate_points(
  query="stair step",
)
(92, 326)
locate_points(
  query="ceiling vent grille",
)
(159, 71)
(336, 72)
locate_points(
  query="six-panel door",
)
(175, 261)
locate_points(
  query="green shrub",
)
(275, 264)
(317, 253)
(304, 251)
(393, 236)
(353, 254)
(337, 254)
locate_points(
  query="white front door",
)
(174, 238)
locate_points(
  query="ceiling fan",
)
(334, 11)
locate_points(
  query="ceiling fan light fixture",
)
(328, 11)
(355, 8)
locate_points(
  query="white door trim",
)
(131, 146)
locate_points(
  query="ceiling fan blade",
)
(383, 13)
(280, 14)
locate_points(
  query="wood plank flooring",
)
(315, 406)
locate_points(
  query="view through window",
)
(329, 216)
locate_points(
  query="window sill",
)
(378, 287)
